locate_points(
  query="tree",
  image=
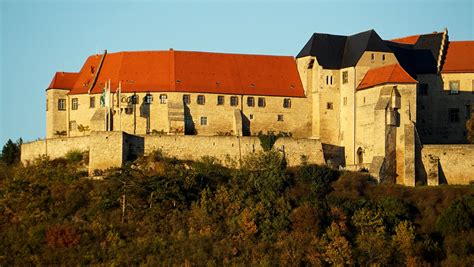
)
(470, 129)
(11, 152)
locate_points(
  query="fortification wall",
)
(111, 149)
(230, 149)
(448, 164)
(53, 148)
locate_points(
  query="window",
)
(187, 99)
(250, 101)
(148, 99)
(72, 125)
(453, 114)
(134, 99)
(74, 104)
(220, 100)
(345, 77)
(331, 79)
(453, 87)
(92, 102)
(203, 121)
(234, 101)
(329, 105)
(423, 89)
(372, 57)
(311, 64)
(344, 101)
(201, 99)
(46, 104)
(251, 116)
(327, 79)
(261, 102)
(383, 57)
(279, 117)
(163, 98)
(287, 103)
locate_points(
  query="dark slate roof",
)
(336, 51)
(328, 49)
(422, 56)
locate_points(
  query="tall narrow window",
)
(250, 101)
(187, 99)
(331, 79)
(149, 98)
(203, 121)
(74, 104)
(453, 87)
(327, 79)
(345, 77)
(453, 114)
(261, 102)
(92, 102)
(46, 104)
(372, 56)
(234, 101)
(163, 98)
(383, 57)
(201, 99)
(287, 103)
(220, 100)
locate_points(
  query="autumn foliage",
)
(159, 211)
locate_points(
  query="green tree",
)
(11, 152)
(457, 217)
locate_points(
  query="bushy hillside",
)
(161, 211)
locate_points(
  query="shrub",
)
(457, 217)
(74, 156)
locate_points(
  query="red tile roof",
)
(460, 57)
(181, 71)
(63, 80)
(386, 74)
(407, 40)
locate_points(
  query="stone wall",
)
(112, 149)
(448, 164)
(53, 148)
(231, 149)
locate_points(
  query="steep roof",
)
(387, 74)
(460, 57)
(63, 80)
(183, 71)
(336, 51)
(418, 54)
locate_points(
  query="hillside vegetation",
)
(161, 211)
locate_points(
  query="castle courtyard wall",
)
(448, 164)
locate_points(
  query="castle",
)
(397, 108)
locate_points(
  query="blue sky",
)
(39, 38)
